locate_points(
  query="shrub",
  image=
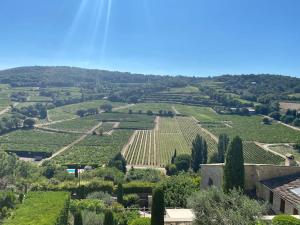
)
(130, 200)
(285, 220)
(183, 162)
(138, 187)
(140, 221)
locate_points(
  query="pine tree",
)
(158, 207)
(108, 218)
(234, 171)
(222, 147)
(120, 193)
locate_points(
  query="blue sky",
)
(189, 37)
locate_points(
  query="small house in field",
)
(275, 184)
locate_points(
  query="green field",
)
(249, 128)
(41, 208)
(78, 125)
(35, 141)
(95, 149)
(154, 107)
(69, 111)
(284, 149)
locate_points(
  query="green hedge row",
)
(137, 187)
(285, 220)
(42, 208)
(81, 190)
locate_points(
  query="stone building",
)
(279, 185)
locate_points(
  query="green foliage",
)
(178, 188)
(183, 162)
(158, 207)
(118, 162)
(138, 187)
(222, 147)
(100, 195)
(130, 200)
(234, 171)
(141, 221)
(105, 173)
(285, 220)
(92, 218)
(214, 207)
(78, 218)
(120, 193)
(95, 205)
(147, 175)
(199, 153)
(42, 208)
(171, 169)
(108, 218)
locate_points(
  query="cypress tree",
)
(120, 193)
(158, 207)
(108, 218)
(197, 153)
(222, 147)
(174, 157)
(204, 151)
(78, 218)
(234, 171)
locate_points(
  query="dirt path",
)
(156, 121)
(115, 126)
(72, 144)
(175, 110)
(215, 138)
(284, 124)
(54, 122)
(59, 131)
(130, 142)
(123, 107)
(266, 148)
(5, 110)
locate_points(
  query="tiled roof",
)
(282, 186)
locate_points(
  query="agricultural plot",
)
(95, 149)
(183, 90)
(249, 128)
(35, 141)
(42, 208)
(255, 154)
(156, 147)
(69, 111)
(284, 149)
(154, 107)
(75, 125)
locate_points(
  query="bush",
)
(183, 162)
(130, 200)
(147, 175)
(171, 169)
(285, 220)
(140, 221)
(138, 187)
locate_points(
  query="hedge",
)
(137, 187)
(285, 220)
(140, 221)
(42, 208)
(81, 190)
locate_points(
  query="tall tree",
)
(108, 218)
(120, 193)
(234, 171)
(199, 152)
(222, 147)
(158, 207)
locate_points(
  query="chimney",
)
(290, 160)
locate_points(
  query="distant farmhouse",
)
(278, 185)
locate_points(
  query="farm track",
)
(266, 148)
(81, 138)
(284, 124)
(214, 137)
(175, 110)
(116, 125)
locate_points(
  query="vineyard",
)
(156, 147)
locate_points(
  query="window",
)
(295, 212)
(271, 196)
(210, 182)
(282, 205)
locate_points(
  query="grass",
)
(41, 208)
(78, 124)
